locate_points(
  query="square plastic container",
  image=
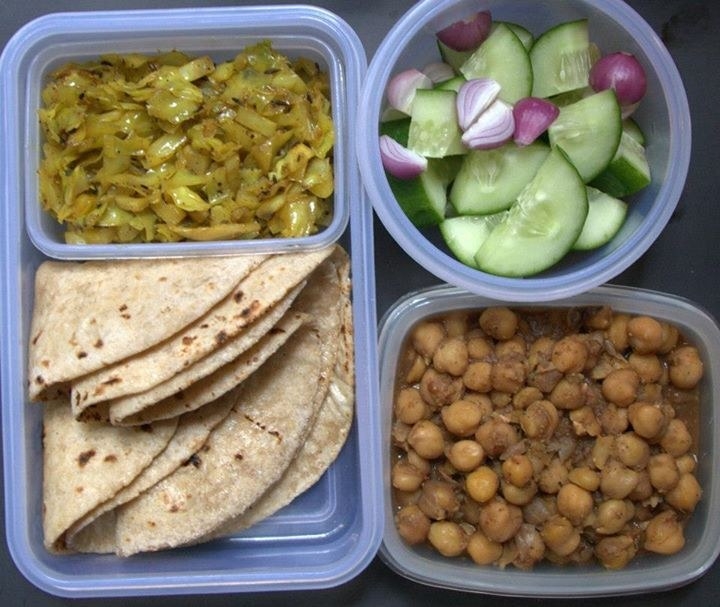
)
(326, 536)
(53, 40)
(663, 115)
(646, 573)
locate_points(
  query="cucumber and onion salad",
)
(520, 149)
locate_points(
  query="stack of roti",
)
(187, 399)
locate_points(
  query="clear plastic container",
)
(646, 573)
(663, 115)
(53, 40)
(329, 534)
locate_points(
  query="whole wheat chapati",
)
(251, 298)
(327, 436)
(222, 380)
(95, 532)
(87, 315)
(128, 407)
(84, 464)
(244, 455)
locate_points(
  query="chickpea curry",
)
(559, 435)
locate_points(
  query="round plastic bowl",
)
(663, 115)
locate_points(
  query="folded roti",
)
(85, 464)
(245, 454)
(327, 436)
(221, 381)
(91, 314)
(95, 532)
(129, 407)
(249, 300)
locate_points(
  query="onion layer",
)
(401, 88)
(467, 34)
(473, 98)
(492, 128)
(399, 161)
(621, 72)
(532, 118)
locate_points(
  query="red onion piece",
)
(473, 98)
(401, 88)
(438, 71)
(532, 118)
(399, 161)
(492, 128)
(467, 34)
(621, 72)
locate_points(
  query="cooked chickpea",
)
(649, 367)
(585, 477)
(451, 356)
(415, 370)
(686, 463)
(664, 534)
(646, 419)
(499, 520)
(686, 494)
(406, 477)
(569, 392)
(419, 462)
(686, 367)
(482, 484)
(526, 396)
(574, 503)
(621, 386)
(569, 355)
(517, 470)
(438, 500)
(617, 332)
(616, 552)
(508, 375)
(482, 550)
(410, 406)
(447, 537)
(663, 472)
(645, 334)
(496, 435)
(499, 322)
(540, 419)
(478, 376)
(612, 515)
(519, 496)
(427, 439)
(462, 417)
(632, 450)
(479, 348)
(560, 535)
(427, 337)
(617, 480)
(412, 524)
(644, 489)
(670, 337)
(584, 421)
(513, 348)
(466, 455)
(677, 439)
(438, 389)
(456, 324)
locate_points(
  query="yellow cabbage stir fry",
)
(169, 147)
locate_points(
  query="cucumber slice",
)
(434, 130)
(541, 226)
(633, 129)
(490, 180)
(561, 58)
(424, 198)
(452, 84)
(503, 58)
(589, 132)
(452, 57)
(398, 129)
(465, 234)
(628, 171)
(605, 217)
(521, 32)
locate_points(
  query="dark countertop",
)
(683, 261)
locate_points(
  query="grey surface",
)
(684, 261)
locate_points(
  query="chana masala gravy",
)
(564, 435)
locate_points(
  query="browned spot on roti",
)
(188, 339)
(99, 343)
(86, 456)
(81, 354)
(221, 337)
(110, 458)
